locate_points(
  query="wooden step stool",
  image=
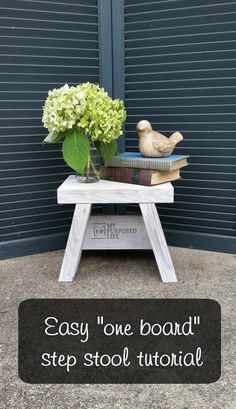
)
(115, 231)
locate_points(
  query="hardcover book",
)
(138, 176)
(137, 160)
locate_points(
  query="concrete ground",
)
(201, 274)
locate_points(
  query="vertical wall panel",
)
(180, 60)
(43, 45)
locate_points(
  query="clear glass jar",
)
(92, 170)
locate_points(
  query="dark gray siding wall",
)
(180, 63)
(43, 45)
(180, 73)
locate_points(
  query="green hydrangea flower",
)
(78, 115)
(86, 107)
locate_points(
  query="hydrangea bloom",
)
(86, 107)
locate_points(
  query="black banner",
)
(119, 341)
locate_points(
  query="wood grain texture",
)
(75, 242)
(158, 242)
(106, 191)
(115, 232)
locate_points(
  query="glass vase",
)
(92, 170)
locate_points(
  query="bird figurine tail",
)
(176, 137)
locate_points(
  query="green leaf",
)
(75, 150)
(54, 137)
(108, 150)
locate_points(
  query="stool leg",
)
(158, 242)
(75, 242)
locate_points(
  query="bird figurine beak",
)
(143, 125)
(139, 127)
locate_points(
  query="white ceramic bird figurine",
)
(153, 143)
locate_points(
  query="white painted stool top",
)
(106, 191)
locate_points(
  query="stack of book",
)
(132, 167)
